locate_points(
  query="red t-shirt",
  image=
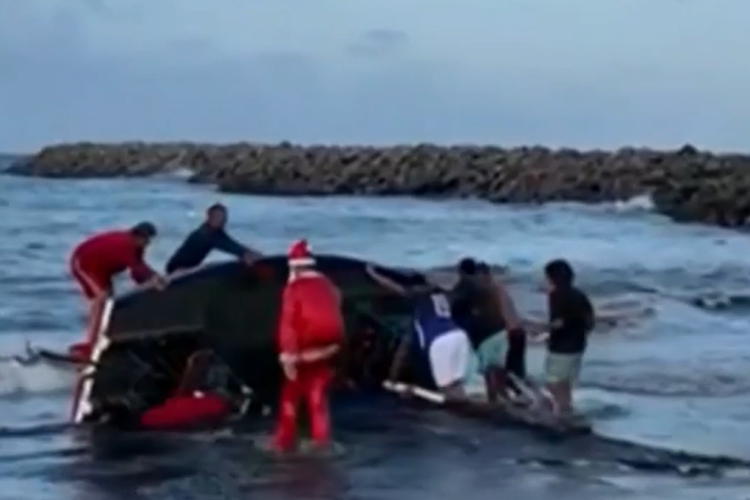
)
(107, 254)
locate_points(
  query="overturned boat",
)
(204, 349)
(212, 331)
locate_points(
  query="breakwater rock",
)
(686, 184)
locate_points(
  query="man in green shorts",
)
(571, 319)
(476, 309)
(560, 367)
(491, 354)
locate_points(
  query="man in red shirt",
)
(310, 332)
(99, 258)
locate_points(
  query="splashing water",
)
(18, 380)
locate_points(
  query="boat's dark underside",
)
(230, 312)
(142, 373)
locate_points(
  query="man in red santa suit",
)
(310, 332)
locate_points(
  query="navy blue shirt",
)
(432, 318)
(572, 318)
(199, 244)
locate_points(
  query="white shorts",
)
(450, 358)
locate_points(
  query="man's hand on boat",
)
(157, 282)
(250, 257)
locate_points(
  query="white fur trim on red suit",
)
(307, 273)
(306, 261)
(288, 357)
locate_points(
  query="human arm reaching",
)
(225, 243)
(386, 282)
(142, 274)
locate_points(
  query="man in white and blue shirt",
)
(444, 345)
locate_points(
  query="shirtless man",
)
(515, 360)
(477, 308)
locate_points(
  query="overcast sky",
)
(573, 72)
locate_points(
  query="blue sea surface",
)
(677, 377)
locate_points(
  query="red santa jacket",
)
(310, 314)
(106, 254)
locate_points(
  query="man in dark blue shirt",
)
(571, 317)
(211, 235)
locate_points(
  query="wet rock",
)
(687, 184)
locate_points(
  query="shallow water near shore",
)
(676, 378)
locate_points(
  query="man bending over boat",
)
(211, 235)
(310, 332)
(98, 259)
(515, 358)
(444, 344)
(476, 306)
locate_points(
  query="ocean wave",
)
(676, 387)
(723, 288)
(708, 381)
(7, 160)
(179, 172)
(637, 204)
(19, 380)
(738, 301)
(31, 431)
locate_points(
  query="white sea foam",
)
(19, 380)
(640, 203)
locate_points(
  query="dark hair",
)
(467, 266)
(560, 273)
(143, 230)
(483, 268)
(216, 207)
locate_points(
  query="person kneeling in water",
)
(571, 318)
(311, 331)
(445, 345)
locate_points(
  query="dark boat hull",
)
(145, 339)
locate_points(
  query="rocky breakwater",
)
(687, 184)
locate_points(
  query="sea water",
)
(676, 377)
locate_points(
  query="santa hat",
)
(300, 254)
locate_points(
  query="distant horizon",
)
(583, 74)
